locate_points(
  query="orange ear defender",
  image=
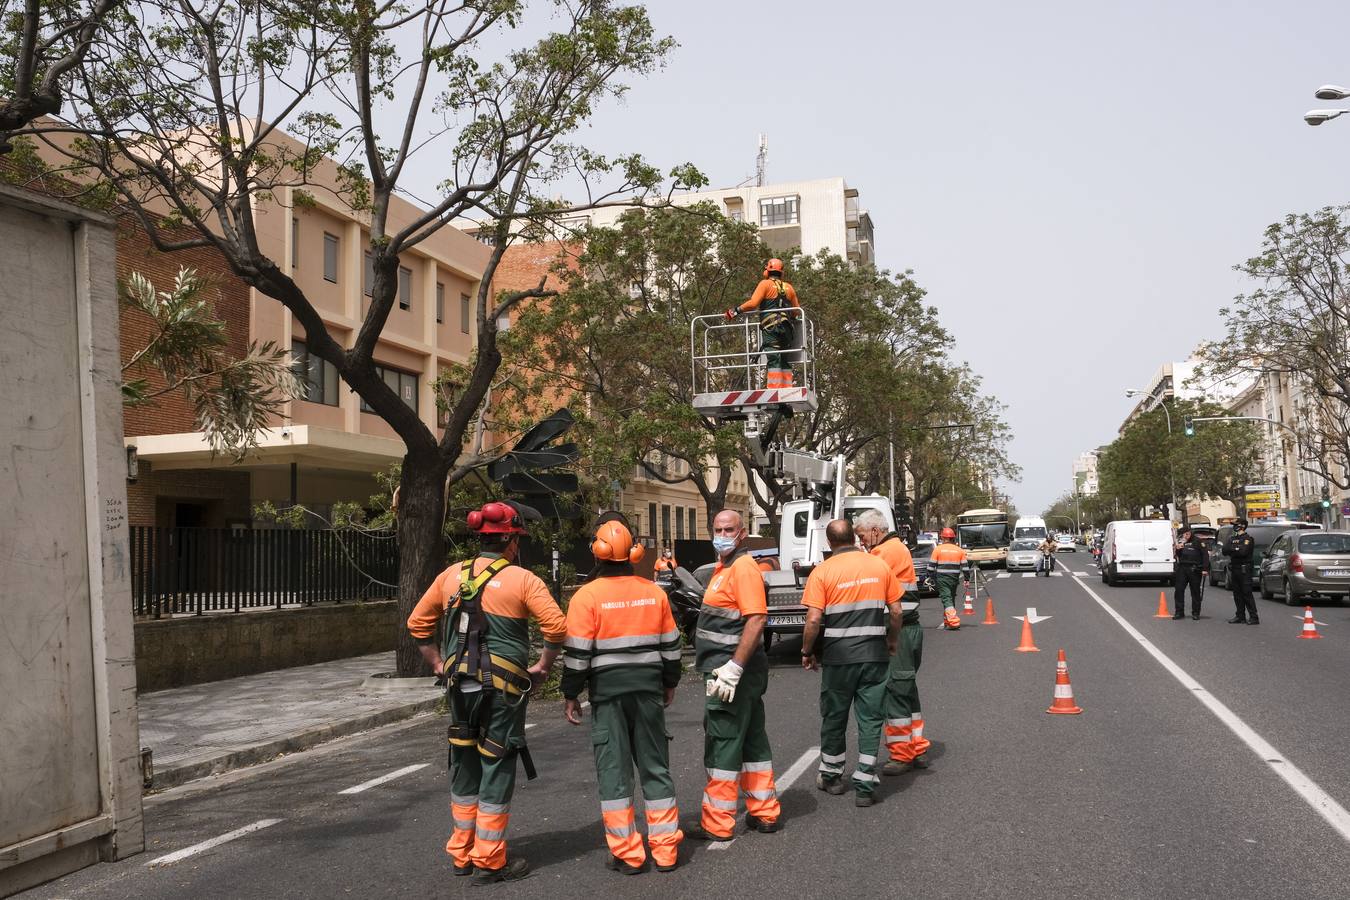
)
(614, 543)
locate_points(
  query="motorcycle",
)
(685, 594)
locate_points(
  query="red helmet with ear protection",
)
(614, 543)
(495, 518)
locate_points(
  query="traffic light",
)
(1188, 424)
(1326, 497)
(902, 510)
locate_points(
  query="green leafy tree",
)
(234, 399)
(1146, 465)
(176, 112)
(1295, 323)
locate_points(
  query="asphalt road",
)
(1148, 793)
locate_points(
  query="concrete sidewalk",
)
(206, 729)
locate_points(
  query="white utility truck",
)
(727, 370)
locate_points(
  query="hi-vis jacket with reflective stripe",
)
(772, 297)
(893, 552)
(736, 590)
(621, 638)
(852, 590)
(509, 600)
(948, 559)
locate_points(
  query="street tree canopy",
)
(1295, 323)
(175, 116)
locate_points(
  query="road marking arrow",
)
(1032, 617)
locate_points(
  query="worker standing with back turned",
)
(776, 302)
(904, 716)
(623, 649)
(484, 607)
(949, 563)
(729, 651)
(852, 623)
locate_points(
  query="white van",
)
(1138, 549)
(1030, 527)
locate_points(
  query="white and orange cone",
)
(1063, 703)
(969, 608)
(1309, 625)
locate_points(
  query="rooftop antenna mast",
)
(761, 160)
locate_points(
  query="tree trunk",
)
(421, 546)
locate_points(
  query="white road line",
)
(1315, 621)
(1321, 802)
(1028, 574)
(214, 842)
(376, 782)
(791, 775)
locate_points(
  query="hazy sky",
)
(1072, 182)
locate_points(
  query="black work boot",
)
(1238, 620)
(1179, 614)
(755, 823)
(617, 865)
(695, 832)
(833, 786)
(514, 870)
(1253, 621)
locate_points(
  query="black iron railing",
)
(200, 570)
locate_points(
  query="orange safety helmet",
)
(947, 534)
(496, 518)
(773, 265)
(614, 543)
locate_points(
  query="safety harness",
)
(773, 310)
(473, 660)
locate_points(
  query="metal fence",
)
(200, 570)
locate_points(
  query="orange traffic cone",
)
(1309, 624)
(1162, 612)
(969, 608)
(1028, 645)
(989, 618)
(1063, 703)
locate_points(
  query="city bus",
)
(984, 535)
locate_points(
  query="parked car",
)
(1064, 543)
(1306, 565)
(1138, 549)
(1023, 555)
(1264, 534)
(923, 568)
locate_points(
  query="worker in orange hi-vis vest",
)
(949, 565)
(776, 302)
(623, 649)
(904, 716)
(665, 563)
(852, 624)
(484, 607)
(729, 651)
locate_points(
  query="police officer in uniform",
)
(1239, 549)
(1192, 569)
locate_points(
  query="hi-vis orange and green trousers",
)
(904, 716)
(737, 756)
(630, 730)
(481, 786)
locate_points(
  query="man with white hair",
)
(904, 716)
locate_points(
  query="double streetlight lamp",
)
(1171, 480)
(1327, 92)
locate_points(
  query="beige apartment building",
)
(324, 447)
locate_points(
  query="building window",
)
(636, 520)
(295, 242)
(651, 518)
(464, 313)
(330, 257)
(402, 383)
(665, 524)
(319, 375)
(404, 288)
(679, 524)
(778, 211)
(368, 276)
(693, 523)
(440, 303)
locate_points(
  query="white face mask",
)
(723, 545)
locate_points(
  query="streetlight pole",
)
(1171, 474)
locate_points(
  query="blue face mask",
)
(723, 545)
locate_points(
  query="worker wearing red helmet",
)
(776, 301)
(949, 564)
(484, 607)
(623, 649)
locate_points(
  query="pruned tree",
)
(177, 114)
(233, 398)
(42, 43)
(1295, 323)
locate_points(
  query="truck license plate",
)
(1130, 565)
(788, 620)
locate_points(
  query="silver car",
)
(1024, 554)
(1306, 565)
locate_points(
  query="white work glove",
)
(723, 683)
